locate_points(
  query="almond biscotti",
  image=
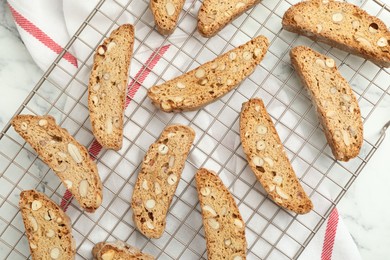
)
(48, 229)
(336, 104)
(166, 14)
(222, 221)
(118, 251)
(214, 15)
(158, 179)
(268, 160)
(211, 80)
(64, 155)
(108, 85)
(342, 25)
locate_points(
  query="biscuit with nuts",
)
(117, 251)
(342, 25)
(211, 80)
(107, 86)
(214, 15)
(48, 228)
(64, 155)
(222, 221)
(336, 105)
(158, 179)
(268, 160)
(166, 14)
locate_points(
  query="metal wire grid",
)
(272, 233)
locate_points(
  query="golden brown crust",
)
(48, 228)
(158, 179)
(213, 16)
(64, 155)
(108, 86)
(342, 25)
(268, 160)
(211, 80)
(337, 107)
(222, 221)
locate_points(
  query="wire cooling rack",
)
(272, 233)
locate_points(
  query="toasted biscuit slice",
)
(267, 159)
(158, 179)
(214, 15)
(48, 229)
(166, 14)
(118, 251)
(222, 221)
(64, 155)
(337, 107)
(211, 80)
(342, 25)
(108, 85)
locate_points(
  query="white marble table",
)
(364, 208)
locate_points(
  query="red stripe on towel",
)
(330, 234)
(133, 87)
(40, 35)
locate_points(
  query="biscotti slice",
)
(342, 25)
(333, 98)
(158, 179)
(108, 85)
(48, 229)
(211, 80)
(268, 160)
(118, 251)
(166, 14)
(64, 155)
(222, 221)
(214, 15)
